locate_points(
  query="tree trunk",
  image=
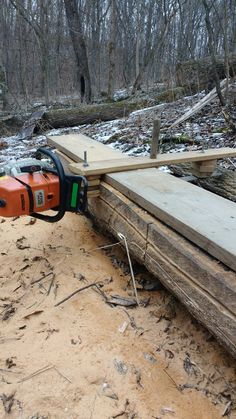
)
(80, 50)
(41, 37)
(111, 52)
(3, 89)
(212, 51)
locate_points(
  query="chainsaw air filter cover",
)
(28, 193)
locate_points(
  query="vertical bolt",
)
(85, 164)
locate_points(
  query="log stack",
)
(199, 281)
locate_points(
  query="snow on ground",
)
(132, 135)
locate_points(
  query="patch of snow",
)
(164, 169)
(37, 104)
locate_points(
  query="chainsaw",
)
(32, 186)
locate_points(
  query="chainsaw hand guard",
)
(73, 190)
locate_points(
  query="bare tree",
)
(80, 50)
(58, 47)
(111, 50)
(41, 40)
(212, 50)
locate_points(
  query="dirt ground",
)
(85, 358)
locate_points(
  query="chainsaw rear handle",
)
(62, 182)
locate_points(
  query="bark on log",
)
(11, 124)
(222, 182)
(69, 117)
(105, 112)
(203, 284)
(88, 114)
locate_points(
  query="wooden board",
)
(203, 217)
(200, 282)
(132, 163)
(74, 145)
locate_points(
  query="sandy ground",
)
(86, 359)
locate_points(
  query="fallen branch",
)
(199, 105)
(76, 292)
(62, 375)
(122, 237)
(41, 278)
(34, 374)
(51, 284)
(173, 381)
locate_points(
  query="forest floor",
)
(132, 135)
(86, 359)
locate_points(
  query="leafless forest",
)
(50, 48)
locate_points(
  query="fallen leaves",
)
(165, 311)
(10, 363)
(121, 301)
(20, 243)
(7, 401)
(121, 367)
(190, 366)
(8, 311)
(31, 222)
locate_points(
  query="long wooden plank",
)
(206, 288)
(133, 163)
(203, 217)
(74, 145)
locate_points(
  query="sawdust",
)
(87, 359)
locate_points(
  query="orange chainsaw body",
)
(29, 192)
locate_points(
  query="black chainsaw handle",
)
(62, 182)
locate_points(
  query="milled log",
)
(222, 182)
(203, 284)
